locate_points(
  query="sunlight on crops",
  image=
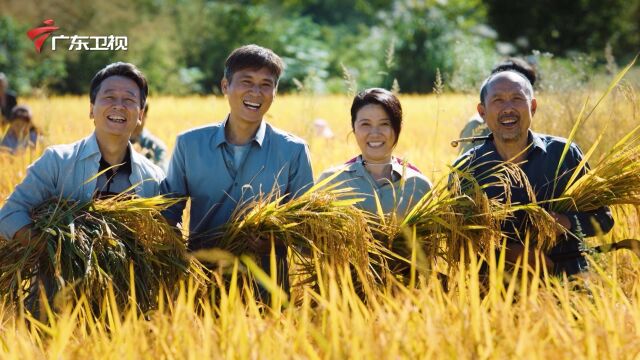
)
(522, 319)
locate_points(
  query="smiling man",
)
(224, 165)
(117, 96)
(507, 105)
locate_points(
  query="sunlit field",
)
(522, 318)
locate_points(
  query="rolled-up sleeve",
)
(175, 184)
(301, 174)
(38, 186)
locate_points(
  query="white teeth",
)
(376, 144)
(116, 118)
(251, 105)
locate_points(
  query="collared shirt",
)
(542, 159)
(113, 180)
(199, 169)
(408, 186)
(68, 171)
(152, 148)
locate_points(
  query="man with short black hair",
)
(117, 96)
(227, 164)
(507, 104)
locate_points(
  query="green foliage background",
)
(181, 45)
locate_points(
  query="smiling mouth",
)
(375, 144)
(508, 121)
(251, 105)
(117, 119)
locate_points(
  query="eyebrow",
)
(115, 90)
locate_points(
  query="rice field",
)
(526, 317)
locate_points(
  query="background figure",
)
(8, 99)
(148, 144)
(21, 133)
(476, 125)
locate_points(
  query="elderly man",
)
(476, 127)
(507, 105)
(224, 165)
(117, 95)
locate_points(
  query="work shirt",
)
(152, 148)
(203, 169)
(399, 195)
(68, 171)
(113, 180)
(542, 159)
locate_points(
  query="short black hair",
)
(384, 98)
(120, 69)
(253, 57)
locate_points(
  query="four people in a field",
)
(222, 166)
(117, 96)
(507, 105)
(376, 121)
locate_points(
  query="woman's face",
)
(374, 133)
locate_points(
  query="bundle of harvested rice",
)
(82, 247)
(321, 222)
(614, 180)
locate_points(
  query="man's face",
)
(250, 94)
(508, 107)
(116, 111)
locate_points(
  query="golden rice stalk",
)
(614, 180)
(321, 221)
(90, 245)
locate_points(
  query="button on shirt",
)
(203, 168)
(408, 186)
(542, 159)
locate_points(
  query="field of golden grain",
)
(529, 318)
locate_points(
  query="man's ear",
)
(534, 106)
(224, 85)
(481, 110)
(90, 111)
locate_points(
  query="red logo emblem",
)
(40, 34)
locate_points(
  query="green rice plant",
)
(83, 247)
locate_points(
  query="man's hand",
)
(561, 219)
(28, 236)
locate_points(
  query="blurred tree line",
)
(328, 45)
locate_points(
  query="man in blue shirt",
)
(118, 93)
(227, 164)
(507, 104)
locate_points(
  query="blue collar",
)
(258, 138)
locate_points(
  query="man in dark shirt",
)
(507, 104)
